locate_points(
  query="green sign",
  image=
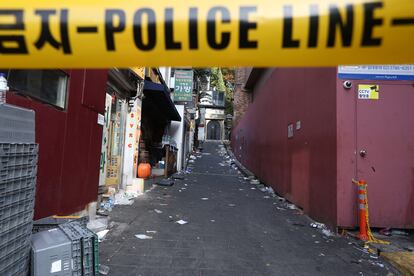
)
(183, 91)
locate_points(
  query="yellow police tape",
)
(123, 33)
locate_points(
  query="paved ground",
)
(235, 231)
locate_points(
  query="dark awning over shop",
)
(159, 96)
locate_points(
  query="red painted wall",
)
(70, 144)
(302, 168)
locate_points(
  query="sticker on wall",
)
(290, 130)
(368, 92)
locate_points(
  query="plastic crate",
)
(16, 262)
(11, 149)
(14, 245)
(15, 221)
(76, 240)
(53, 222)
(12, 173)
(89, 249)
(16, 209)
(15, 233)
(17, 124)
(17, 196)
(7, 161)
(17, 184)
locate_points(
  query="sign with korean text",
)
(368, 92)
(377, 72)
(183, 90)
(260, 33)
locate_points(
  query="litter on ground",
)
(181, 222)
(143, 237)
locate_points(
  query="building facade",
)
(308, 132)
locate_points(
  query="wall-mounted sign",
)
(376, 72)
(183, 90)
(368, 92)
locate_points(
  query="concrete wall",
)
(302, 168)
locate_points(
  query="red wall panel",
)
(302, 168)
(70, 144)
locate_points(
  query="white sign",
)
(377, 72)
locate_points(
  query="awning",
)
(160, 97)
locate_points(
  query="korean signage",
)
(183, 90)
(376, 72)
(260, 33)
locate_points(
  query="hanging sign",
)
(104, 33)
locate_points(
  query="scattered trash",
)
(101, 234)
(204, 198)
(313, 236)
(327, 233)
(266, 197)
(212, 220)
(178, 176)
(157, 211)
(231, 205)
(165, 182)
(317, 225)
(170, 217)
(241, 189)
(291, 206)
(122, 199)
(254, 182)
(253, 188)
(317, 241)
(163, 204)
(143, 237)
(376, 263)
(182, 222)
(399, 233)
(321, 254)
(186, 185)
(103, 269)
(151, 231)
(385, 232)
(281, 209)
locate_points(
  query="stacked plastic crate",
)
(85, 249)
(18, 168)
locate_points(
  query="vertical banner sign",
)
(183, 90)
(260, 33)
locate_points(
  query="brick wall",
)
(241, 96)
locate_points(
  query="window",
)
(218, 98)
(49, 86)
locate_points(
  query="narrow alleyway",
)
(232, 229)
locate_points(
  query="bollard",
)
(362, 200)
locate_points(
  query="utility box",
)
(51, 253)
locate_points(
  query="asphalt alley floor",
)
(233, 229)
